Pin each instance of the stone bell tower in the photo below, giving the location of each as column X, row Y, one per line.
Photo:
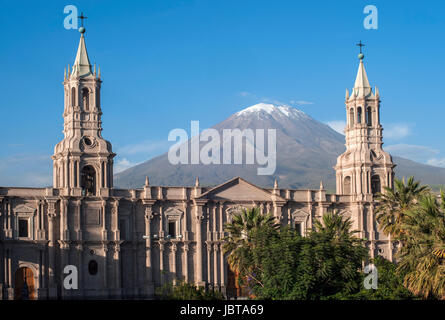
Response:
column 83, row 160
column 364, row 168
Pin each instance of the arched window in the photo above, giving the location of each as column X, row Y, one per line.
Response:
column 375, row 184
column 73, row 97
column 351, row 117
column 88, row 182
column 359, row 114
column 369, row 116
column 85, row 99
column 347, row 185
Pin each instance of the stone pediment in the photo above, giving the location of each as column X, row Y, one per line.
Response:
column 22, row 208
column 239, row 189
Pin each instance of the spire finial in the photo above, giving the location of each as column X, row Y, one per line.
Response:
column 82, row 17
column 197, row 182
column 275, row 184
column 360, row 55
column 321, row 185
column 147, row 182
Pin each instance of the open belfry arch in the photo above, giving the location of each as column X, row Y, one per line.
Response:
column 126, row 242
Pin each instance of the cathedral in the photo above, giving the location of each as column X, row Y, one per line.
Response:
column 125, row 243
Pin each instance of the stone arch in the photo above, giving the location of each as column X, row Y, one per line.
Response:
column 86, row 99
column 369, row 116
column 351, row 117
column 376, row 185
column 89, row 180
column 25, row 282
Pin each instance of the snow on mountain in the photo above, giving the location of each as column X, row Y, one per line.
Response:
column 306, row 149
column 272, row 109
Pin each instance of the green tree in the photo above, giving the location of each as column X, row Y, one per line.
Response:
column 324, row 265
column 392, row 205
column 183, row 290
column 424, row 232
column 238, row 242
column 389, row 284
column 338, row 255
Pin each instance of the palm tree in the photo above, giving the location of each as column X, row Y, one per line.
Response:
column 239, row 234
column 394, row 203
column 334, row 225
column 424, row 233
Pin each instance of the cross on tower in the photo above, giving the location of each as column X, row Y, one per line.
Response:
column 360, row 44
column 81, row 17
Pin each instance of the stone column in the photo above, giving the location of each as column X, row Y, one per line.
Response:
column 117, row 270
column 8, row 232
column 371, row 230
column 135, row 245
column 215, row 265
column 214, row 233
column 66, row 172
column 115, row 220
column 223, row 270
column 104, row 221
column 10, row 289
column 51, row 247
column 79, row 219
column 105, row 269
column 198, row 240
column 161, row 260
column 79, row 249
column 105, row 175
column 5, row 267
column 209, row 258
column 185, row 224
column 64, row 220
column 64, row 261
column 148, row 246
column 221, row 252
column 186, row 262
column 174, row 249
column 77, row 174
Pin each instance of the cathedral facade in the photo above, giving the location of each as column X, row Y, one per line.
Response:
column 126, row 242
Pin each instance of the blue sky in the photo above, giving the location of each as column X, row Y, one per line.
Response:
column 165, row 63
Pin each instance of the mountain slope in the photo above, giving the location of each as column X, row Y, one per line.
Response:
column 307, row 150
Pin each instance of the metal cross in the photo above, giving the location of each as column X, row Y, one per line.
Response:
column 360, row 44
column 81, row 17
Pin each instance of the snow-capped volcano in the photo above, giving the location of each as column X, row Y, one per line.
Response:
column 271, row 109
column 306, row 153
